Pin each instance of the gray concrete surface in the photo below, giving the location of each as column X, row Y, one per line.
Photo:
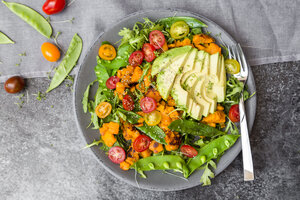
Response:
column 41, row 156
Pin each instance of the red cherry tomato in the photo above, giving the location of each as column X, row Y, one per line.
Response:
column 136, row 58
column 188, row 151
column 234, row 113
column 51, row 7
column 148, row 50
column 148, row 104
column 14, row 84
column 116, row 155
column 128, row 102
column 157, row 39
column 141, row 143
column 112, row 82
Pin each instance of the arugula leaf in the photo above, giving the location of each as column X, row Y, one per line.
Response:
column 94, row 143
column 127, row 34
column 207, row 174
column 86, row 97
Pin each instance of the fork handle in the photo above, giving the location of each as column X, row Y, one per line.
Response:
column 246, row 149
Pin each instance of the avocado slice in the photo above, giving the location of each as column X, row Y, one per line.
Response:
column 197, row 93
column 166, row 77
column 219, row 87
column 168, row 57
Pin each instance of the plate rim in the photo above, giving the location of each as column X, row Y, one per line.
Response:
column 76, row 101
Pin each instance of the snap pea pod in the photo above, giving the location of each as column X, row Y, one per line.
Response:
column 165, row 162
column 153, row 132
column 32, row 17
column 68, row 62
column 210, row 151
column 191, row 21
column 194, row 128
column 129, row 116
column 4, row 39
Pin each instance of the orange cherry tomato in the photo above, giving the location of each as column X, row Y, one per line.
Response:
column 50, row 52
column 107, row 52
column 103, row 109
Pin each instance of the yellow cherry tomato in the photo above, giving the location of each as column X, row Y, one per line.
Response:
column 179, row 30
column 50, row 52
column 232, row 66
column 107, row 52
column 103, row 109
column 153, row 118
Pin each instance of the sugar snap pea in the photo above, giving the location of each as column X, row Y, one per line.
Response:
column 165, row 162
column 32, row 17
column 210, row 151
column 67, row 63
column 154, row 132
column 194, row 128
column 4, row 39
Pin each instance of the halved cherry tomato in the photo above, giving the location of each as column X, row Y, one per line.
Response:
column 50, row 52
column 188, row 151
column 141, row 143
column 103, row 109
column 53, row 6
column 136, row 58
column 14, row 84
column 148, row 104
column 148, row 50
column 128, row 103
column 232, row 66
column 179, row 30
column 234, row 113
column 153, row 118
column 107, row 52
column 112, row 82
column 157, row 39
column 116, row 155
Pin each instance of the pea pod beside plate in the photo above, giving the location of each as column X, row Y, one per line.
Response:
column 32, row 17
column 4, row 39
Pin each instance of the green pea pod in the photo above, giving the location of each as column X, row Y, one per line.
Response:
column 165, row 162
column 153, row 132
column 32, row 17
column 192, row 22
column 210, row 151
column 4, row 39
column 68, row 62
column 194, row 128
column 129, row 116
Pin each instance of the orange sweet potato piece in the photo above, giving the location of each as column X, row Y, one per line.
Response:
column 109, row 139
column 202, row 39
column 216, row 117
column 120, row 88
column 171, row 101
column 147, row 78
column 212, row 48
column 125, row 165
column 146, row 153
column 137, row 73
column 153, row 94
column 156, row 147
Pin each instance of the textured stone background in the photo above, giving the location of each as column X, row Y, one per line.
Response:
column 41, row 156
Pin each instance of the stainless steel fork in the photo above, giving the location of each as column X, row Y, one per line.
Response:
column 236, row 53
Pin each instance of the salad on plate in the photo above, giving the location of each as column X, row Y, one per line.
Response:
column 166, row 98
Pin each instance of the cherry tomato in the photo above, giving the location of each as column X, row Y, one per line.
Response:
column 50, row 52
column 153, row 118
column 148, row 104
column 107, row 52
column 179, row 30
column 188, row 151
column 51, row 7
column 157, row 39
column 14, row 84
column 232, row 66
column 128, row 102
column 234, row 113
column 141, row 143
column 112, row 82
column 116, row 155
column 103, row 109
column 148, row 50
column 136, row 58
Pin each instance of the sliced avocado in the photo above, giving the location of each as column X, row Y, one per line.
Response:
column 166, row 77
column 196, row 68
column 198, row 96
column 168, row 57
column 210, row 96
column 215, row 66
column 219, row 87
column 195, row 110
column 205, row 67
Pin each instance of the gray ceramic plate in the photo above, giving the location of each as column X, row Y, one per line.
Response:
column 157, row 180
